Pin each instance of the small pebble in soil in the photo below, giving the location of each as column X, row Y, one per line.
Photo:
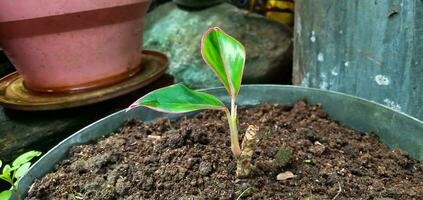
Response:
column 205, row 168
column 284, row 176
column 317, row 149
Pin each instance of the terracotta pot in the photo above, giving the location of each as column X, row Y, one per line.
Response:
column 65, row 46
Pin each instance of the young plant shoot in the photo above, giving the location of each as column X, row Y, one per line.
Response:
column 226, row 57
column 12, row 173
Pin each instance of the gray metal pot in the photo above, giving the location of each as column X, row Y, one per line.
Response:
column 394, row 128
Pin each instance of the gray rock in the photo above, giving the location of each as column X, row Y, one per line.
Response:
column 177, row 32
column 205, row 168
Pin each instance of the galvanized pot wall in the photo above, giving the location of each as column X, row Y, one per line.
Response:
column 394, row 128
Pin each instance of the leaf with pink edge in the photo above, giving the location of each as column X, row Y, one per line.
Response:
column 178, row 99
column 226, row 56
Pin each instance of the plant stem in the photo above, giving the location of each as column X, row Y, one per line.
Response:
column 233, row 108
column 18, row 195
column 15, row 186
column 232, row 121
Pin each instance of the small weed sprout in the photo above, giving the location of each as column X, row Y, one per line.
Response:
column 226, row 57
column 12, row 173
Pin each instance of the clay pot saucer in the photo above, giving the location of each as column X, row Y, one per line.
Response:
column 14, row 95
column 62, row 45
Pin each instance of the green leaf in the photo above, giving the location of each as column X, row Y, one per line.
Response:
column 24, row 158
column 178, row 99
column 5, row 177
column 226, row 56
column 22, row 170
column 6, row 169
column 6, row 174
column 5, row 195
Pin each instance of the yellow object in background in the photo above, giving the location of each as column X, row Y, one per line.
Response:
column 281, row 11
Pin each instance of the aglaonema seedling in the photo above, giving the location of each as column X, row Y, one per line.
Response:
column 226, row 57
column 12, row 173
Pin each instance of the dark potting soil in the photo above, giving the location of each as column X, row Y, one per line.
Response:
column 191, row 159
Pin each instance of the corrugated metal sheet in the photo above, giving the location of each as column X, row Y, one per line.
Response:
column 372, row 49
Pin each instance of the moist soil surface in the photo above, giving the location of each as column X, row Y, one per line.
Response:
column 191, row 159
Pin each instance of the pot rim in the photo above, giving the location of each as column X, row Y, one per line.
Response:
column 329, row 92
column 30, row 9
column 409, row 125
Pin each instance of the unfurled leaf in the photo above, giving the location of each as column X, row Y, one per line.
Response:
column 5, row 195
column 178, row 99
column 22, row 170
column 226, row 56
column 24, row 158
